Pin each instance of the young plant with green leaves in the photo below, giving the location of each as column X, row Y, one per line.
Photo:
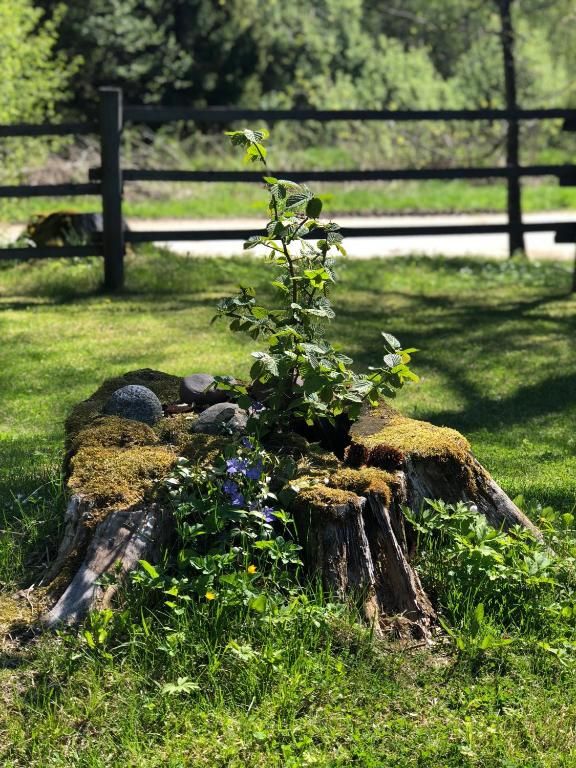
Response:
column 236, row 545
column 495, row 586
column 302, row 375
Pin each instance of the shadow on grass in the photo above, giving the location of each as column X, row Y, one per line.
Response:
column 455, row 333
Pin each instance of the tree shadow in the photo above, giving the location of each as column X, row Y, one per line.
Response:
column 553, row 395
column 453, row 332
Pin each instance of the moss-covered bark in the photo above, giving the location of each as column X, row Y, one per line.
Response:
column 348, row 513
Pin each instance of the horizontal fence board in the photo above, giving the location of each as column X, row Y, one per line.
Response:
column 223, row 114
column 567, row 172
column 48, row 129
column 49, row 190
column 51, row 252
column 566, row 235
column 448, row 229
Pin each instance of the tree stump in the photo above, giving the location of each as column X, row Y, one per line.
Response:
column 351, row 523
column 348, row 513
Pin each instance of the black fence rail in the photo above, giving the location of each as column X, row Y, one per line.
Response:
column 108, row 180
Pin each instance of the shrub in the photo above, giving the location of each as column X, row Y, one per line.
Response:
column 34, row 80
column 301, row 375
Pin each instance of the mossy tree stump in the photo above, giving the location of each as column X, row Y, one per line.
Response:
column 348, row 512
column 352, row 525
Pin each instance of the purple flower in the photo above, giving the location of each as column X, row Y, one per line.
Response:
column 233, row 492
column 233, row 466
column 268, row 513
column 230, row 487
column 254, row 472
column 245, row 442
column 256, row 407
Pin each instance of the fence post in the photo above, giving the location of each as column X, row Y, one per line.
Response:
column 515, row 230
column 111, row 122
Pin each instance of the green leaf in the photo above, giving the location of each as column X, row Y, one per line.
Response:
column 314, row 208
column 391, row 341
column 149, row 568
column 182, row 685
column 334, row 238
column 253, row 241
column 258, row 604
column 392, row 360
column 298, row 198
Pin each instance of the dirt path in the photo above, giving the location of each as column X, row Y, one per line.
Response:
column 540, row 245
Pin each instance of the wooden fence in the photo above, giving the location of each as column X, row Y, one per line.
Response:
column 108, row 180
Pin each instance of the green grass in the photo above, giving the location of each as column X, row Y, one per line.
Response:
column 203, row 200
column 497, row 362
column 344, row 704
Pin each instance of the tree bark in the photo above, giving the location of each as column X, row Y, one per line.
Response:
column 89, row 556
column 362, row 547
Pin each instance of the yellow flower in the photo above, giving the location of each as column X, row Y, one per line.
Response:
column 210, row 595
column 251, row 569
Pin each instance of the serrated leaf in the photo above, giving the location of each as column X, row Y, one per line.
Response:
column 391, row 341
column 392, row 360
column 298, row 198
column 266, row 362
column 253, row 241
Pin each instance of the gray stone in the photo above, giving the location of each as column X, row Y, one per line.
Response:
column 221, row 419
column 135, row 402
column 198, row 389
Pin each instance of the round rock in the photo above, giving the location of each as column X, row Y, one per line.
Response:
column 135, row 402
column 221, row 419
column 198, row 389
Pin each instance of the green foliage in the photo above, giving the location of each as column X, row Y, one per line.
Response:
column 496, row 587
column 234, row 548
column 34, row 80
column 301, row 375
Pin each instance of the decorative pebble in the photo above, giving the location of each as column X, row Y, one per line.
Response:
column 198, row 388
column 135, row 402
column 221, row 419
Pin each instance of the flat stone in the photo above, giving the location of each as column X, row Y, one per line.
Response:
column 135, row 402
column 221, row 419
column 198, row 388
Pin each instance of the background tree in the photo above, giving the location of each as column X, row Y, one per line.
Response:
column 34, row 79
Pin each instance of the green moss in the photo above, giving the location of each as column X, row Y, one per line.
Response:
column 204, row 449
column 114, row 431
column 383, row 426
column 15, row 612
column 365, row 480
column 176, row 429
column 165, row 386
column 118, row 476
column 322, row 498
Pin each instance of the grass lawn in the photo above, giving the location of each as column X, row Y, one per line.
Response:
column 204, row 200
column 497, row 361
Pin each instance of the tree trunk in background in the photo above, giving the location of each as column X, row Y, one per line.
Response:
column 516, row 233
